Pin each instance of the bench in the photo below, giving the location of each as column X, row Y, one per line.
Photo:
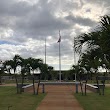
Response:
column 92, row 87
column 27, row 87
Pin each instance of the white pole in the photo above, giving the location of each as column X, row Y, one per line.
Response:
column 45, row 50
column 59, row 45
column 59, row 57
column 74, row 57
column 45, row 54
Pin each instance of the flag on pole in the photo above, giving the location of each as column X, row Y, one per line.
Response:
column 59, row 40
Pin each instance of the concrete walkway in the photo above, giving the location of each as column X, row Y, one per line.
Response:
column 59, row 98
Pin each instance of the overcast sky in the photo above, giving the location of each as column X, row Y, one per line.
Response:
column 24, row 25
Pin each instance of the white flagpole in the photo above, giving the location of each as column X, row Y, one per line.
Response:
column 59, row 57
column 45, row 50
column 59, row 45
column 74, row 57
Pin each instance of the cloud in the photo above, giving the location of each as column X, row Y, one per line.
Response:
column 80, row 20
column 24, row 25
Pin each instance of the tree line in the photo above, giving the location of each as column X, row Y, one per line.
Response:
column 31, row 68
column 20, row 68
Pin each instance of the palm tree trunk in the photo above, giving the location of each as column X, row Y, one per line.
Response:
column 38, row 85
column 86, row 84
column 103, row 82
column 22, row 83
column 16, row 83
column 0, row 79
column 103, row 88
column 33, row 85
column 98, row 84
column 91, row 76
column 1, row 71
column 81, row 85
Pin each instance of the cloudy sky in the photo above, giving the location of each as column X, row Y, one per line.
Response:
column 24, row 25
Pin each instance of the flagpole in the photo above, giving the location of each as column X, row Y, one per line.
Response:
column 59, row 57
column 74, row 57
column 45, row 50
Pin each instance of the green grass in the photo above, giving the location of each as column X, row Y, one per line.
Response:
column 94, row 101
column 25, row 101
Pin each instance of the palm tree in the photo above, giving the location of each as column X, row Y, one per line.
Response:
column 31, row 64
column 97, row 44
column 39, row 64
column 7, row 67
column 105, row 37
column 24, row 70
column 98, row 39
column 79, row 71
column 12, row 65
column 34, row 64
column 91, row 61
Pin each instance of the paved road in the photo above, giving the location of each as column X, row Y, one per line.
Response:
column 59, row 98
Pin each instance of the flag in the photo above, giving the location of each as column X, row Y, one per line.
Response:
column 59, row 40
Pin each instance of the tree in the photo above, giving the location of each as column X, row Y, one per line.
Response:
column 12, row 65
column 96, row 40
column 44, row 71
column 97, row 45
column 1, row 71
column 91, row 61
column 79, row 71
column 24, row 70
column 50, row 76
column 34, row 64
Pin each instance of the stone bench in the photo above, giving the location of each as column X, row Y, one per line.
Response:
column 27, row 87
column 92, row 87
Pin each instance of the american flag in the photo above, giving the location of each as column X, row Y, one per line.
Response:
column 59, row 40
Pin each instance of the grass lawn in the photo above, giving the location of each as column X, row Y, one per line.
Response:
column 25, row 101
column 94, row 101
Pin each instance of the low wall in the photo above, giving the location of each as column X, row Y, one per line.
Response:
column 59, row 83
column 42, row 85
column 27, row 88
column 92, row 87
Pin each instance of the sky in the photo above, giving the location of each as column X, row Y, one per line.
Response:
column 25, row 24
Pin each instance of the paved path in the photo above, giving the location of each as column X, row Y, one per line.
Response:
column 59, row 98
